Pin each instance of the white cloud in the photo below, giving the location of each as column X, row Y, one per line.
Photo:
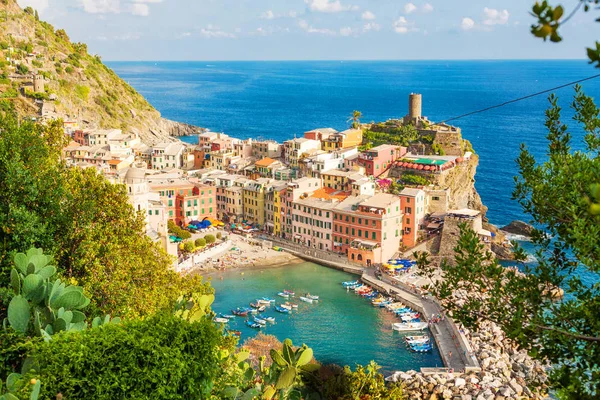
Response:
column 495, row 17
column 39, row 5
column 371, row 26
column 310, row 29
column 409, row 8
column 328, row 6
column 267, row 15
column 402, row 26
column 368, row 16
column 140, row 9
column 211, row 32
column 467, row 24
column 346, row 31
column 427, row 8
column 135, row 7
column 101, row 6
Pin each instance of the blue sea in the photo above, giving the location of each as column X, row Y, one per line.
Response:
column 277, row 100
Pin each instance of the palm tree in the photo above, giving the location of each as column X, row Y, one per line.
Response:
column 355, row 118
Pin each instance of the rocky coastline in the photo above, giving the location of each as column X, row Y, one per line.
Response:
column 507, row 372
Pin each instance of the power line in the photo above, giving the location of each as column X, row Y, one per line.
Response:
column 520, row 98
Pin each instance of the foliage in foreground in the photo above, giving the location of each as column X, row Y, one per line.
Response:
column 84, row 222
column 559, row 195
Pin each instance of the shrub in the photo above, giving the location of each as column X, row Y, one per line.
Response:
column 209, row 239
column 200, row 242
column 188, row 247
column 219, row 235
column 413, row 179
column 82, row 91
column 37, row 64
column 161, row 357
column 69, row 69
column 22, row 69
column 9, row 93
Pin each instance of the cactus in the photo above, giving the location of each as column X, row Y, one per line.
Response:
column 15, row 383
column 195, row 307
column 54, row 305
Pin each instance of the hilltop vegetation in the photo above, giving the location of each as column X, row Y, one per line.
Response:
column 78, row 86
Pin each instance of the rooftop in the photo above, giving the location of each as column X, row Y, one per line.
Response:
column 380, row 200
column 265, row 162
column 411, row 192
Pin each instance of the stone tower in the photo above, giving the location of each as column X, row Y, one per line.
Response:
column 38, row 83
column 414, row 106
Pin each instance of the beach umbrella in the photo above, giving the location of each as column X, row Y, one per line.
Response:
column 420, row 166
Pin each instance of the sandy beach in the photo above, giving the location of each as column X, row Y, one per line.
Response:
column 244, row 255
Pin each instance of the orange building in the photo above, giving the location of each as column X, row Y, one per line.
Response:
column 185, row 201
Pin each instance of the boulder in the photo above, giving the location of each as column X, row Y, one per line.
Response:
column 518, row 228
column 459, row 382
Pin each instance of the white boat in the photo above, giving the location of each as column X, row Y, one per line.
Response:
column 264, row 302
column 284, row 295
column 221, row 320
column 306, row 299
column 409, row 326
column 286, row 306
column 310, row 296
column 418, row 341
column 270, row 319
column 260, row 321
column 417, row 338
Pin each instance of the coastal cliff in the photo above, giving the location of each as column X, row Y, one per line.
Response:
column 44, row 75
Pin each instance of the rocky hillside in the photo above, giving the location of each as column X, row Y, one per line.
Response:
column 77, row 86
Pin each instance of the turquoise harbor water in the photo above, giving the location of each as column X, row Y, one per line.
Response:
column 343, row 328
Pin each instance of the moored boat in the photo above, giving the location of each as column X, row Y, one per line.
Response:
column 260, row 321
column 270, row 300
column 289, row 292
column 312, row 297
column 262, row 308
column 349, row 283
column 306, row 299
column 286, row 306
column 424, row 339
column 221, row 315
column 239, row 312
column 221, row 320
column 409, row 326
column 253, row 324
column 254, row 305
column 284, row 295
column 263, row 302
column 270, row 319
column 281, row 310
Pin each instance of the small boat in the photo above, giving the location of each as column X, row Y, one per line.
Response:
column 239, row 312
column 254, row 305
column 312, row 297
column 306, row 299
column 270, row 300
column 349, row 283
column 270, row 319
column 221, row 320
column 289, row 292
column 284, row 295
column 409, row 317
column 262, row 308
column 281, row 310
column 253, row 324
column 287, row 303
column 260, row 321
column 421, row 348
column 221, row 315
column 286, row 306
column 264, row 302
column 235, row 333
column 417, row 340
column 409, row 326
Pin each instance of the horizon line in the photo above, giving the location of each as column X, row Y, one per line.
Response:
column 362, row 60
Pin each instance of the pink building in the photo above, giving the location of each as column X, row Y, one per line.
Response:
column 377, row 160
column 414, row 208
column 368, row 228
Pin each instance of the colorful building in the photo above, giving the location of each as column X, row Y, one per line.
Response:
column 343, row 140
column 413, row 203
column 254, row 201
column 378, row 159
column 368, row 228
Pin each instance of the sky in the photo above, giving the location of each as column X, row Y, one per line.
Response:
column 159, row 30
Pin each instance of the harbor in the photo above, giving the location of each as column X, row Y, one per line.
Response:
column 365, row 332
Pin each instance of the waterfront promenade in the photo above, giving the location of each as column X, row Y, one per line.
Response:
column 452, row 344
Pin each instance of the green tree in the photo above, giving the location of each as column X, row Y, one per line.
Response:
column 209, row 239
column 200, row 242
column 558, row 194
column 355, row 119
column 188, row 247
column 551, row 18
column 85, row 222
column 22, row 69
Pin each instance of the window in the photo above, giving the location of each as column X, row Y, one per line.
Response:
column 170, row 213
column 435, row 198
column 384, row 236
column 407, row 210
column 359, row 233
column 203, row 211
column 195, row 212
column 170, row 203
column 327, row 236
column 346, row 230
column 360, row 221
column 353, row 232
column 210, row 210
column 408, row 221
column 396, row 232
column 352, row 219
column 149, row 212
column 195, row 202
column 408, row 200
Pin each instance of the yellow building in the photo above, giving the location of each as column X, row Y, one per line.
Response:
column 343, row 140
column 340, row 180
column 254, row 201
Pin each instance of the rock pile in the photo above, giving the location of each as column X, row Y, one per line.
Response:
column 506, row 373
